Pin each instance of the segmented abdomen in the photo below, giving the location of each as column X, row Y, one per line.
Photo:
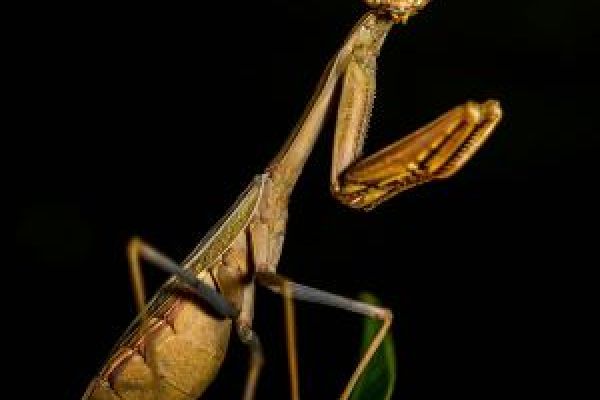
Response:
column 175, row 355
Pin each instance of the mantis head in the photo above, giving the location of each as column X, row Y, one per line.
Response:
column 399, row 10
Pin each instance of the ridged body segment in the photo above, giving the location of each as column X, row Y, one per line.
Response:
column 175, row 357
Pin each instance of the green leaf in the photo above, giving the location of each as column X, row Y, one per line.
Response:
column 379, row 378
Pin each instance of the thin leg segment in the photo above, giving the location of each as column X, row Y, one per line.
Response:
column 290, row 325
column 135, row 273
column 291, row 290
column 250, row 338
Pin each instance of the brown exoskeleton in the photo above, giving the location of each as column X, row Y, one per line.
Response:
column 176, row 347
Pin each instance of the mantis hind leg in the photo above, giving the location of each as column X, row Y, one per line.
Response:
column 251, row 339
column 138, row 286
column 291, row 290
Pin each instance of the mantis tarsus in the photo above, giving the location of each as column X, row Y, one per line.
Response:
column 176, row 346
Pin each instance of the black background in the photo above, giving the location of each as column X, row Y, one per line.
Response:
column 150, row 120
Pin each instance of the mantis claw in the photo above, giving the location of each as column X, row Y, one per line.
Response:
column 436, row 151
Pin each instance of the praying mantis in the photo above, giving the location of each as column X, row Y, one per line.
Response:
column 175, row 347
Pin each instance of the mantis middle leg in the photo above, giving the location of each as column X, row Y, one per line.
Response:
column 291, row 290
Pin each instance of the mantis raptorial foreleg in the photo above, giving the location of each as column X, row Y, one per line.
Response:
column 291, row 290
column 436, row 151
